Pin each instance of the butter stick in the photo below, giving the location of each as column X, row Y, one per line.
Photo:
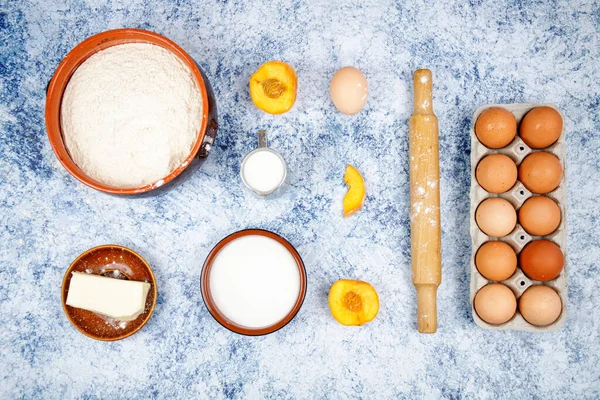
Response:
column 114, row 298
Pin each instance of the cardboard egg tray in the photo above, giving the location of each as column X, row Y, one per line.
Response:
column 518, row 238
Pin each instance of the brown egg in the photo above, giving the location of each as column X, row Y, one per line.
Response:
column 349, row 90
column 496, row 261
column 539, row 215
column 541, row 127
column 541, row 260
column 496, row 173
column 496, row 217
column 540, row 305
column 495, row 303
column 540, row 172
column 496, row 127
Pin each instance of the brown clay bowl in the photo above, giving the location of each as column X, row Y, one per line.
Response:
column 116, row 262
column 101, row 41
column 222, row 319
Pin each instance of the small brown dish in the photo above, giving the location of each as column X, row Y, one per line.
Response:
column 208, row 299
column 116, row 262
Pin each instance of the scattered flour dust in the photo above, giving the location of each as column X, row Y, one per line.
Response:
column 131, row 114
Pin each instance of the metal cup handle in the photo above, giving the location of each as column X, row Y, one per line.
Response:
column 262, row 138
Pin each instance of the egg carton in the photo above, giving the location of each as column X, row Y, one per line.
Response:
column 517, row 150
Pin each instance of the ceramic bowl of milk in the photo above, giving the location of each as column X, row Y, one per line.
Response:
column 253, row 282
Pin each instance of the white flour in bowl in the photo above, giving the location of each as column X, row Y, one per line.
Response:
column 131, row 114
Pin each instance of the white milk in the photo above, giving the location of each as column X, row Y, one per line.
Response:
column 264, row 171
column 254, row 281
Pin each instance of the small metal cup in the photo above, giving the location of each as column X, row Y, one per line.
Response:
column 262, row 146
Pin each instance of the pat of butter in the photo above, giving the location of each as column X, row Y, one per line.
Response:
column 115, row 298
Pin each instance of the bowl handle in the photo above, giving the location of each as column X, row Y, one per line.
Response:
column 213, row 126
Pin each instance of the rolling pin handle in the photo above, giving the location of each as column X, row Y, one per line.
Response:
column 423, row 92
column 426, row 308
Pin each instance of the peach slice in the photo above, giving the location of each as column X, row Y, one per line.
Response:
column 353, row 302
column 355, row 198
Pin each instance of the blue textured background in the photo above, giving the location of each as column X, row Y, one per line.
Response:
column 479, row 53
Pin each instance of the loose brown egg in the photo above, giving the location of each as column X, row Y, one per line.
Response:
column 541, row 127
column 541, row 260
column 496, row 173
column 496, row 127
column 539, row 215
column 496, row 217
column 495, row 303
column 496, row 260
column 540, row 305
column 540, row 172
column 349, row 90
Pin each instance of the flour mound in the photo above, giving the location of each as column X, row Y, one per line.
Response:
column 131, row 114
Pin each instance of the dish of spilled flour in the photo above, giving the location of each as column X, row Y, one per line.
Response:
column 131, row 114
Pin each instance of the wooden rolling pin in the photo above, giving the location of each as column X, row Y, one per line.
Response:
column 426, row 257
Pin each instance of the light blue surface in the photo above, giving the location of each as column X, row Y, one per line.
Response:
column 481, row 52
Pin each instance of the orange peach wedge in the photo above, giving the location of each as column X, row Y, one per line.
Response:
column 355, row 198
column 353, row 302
